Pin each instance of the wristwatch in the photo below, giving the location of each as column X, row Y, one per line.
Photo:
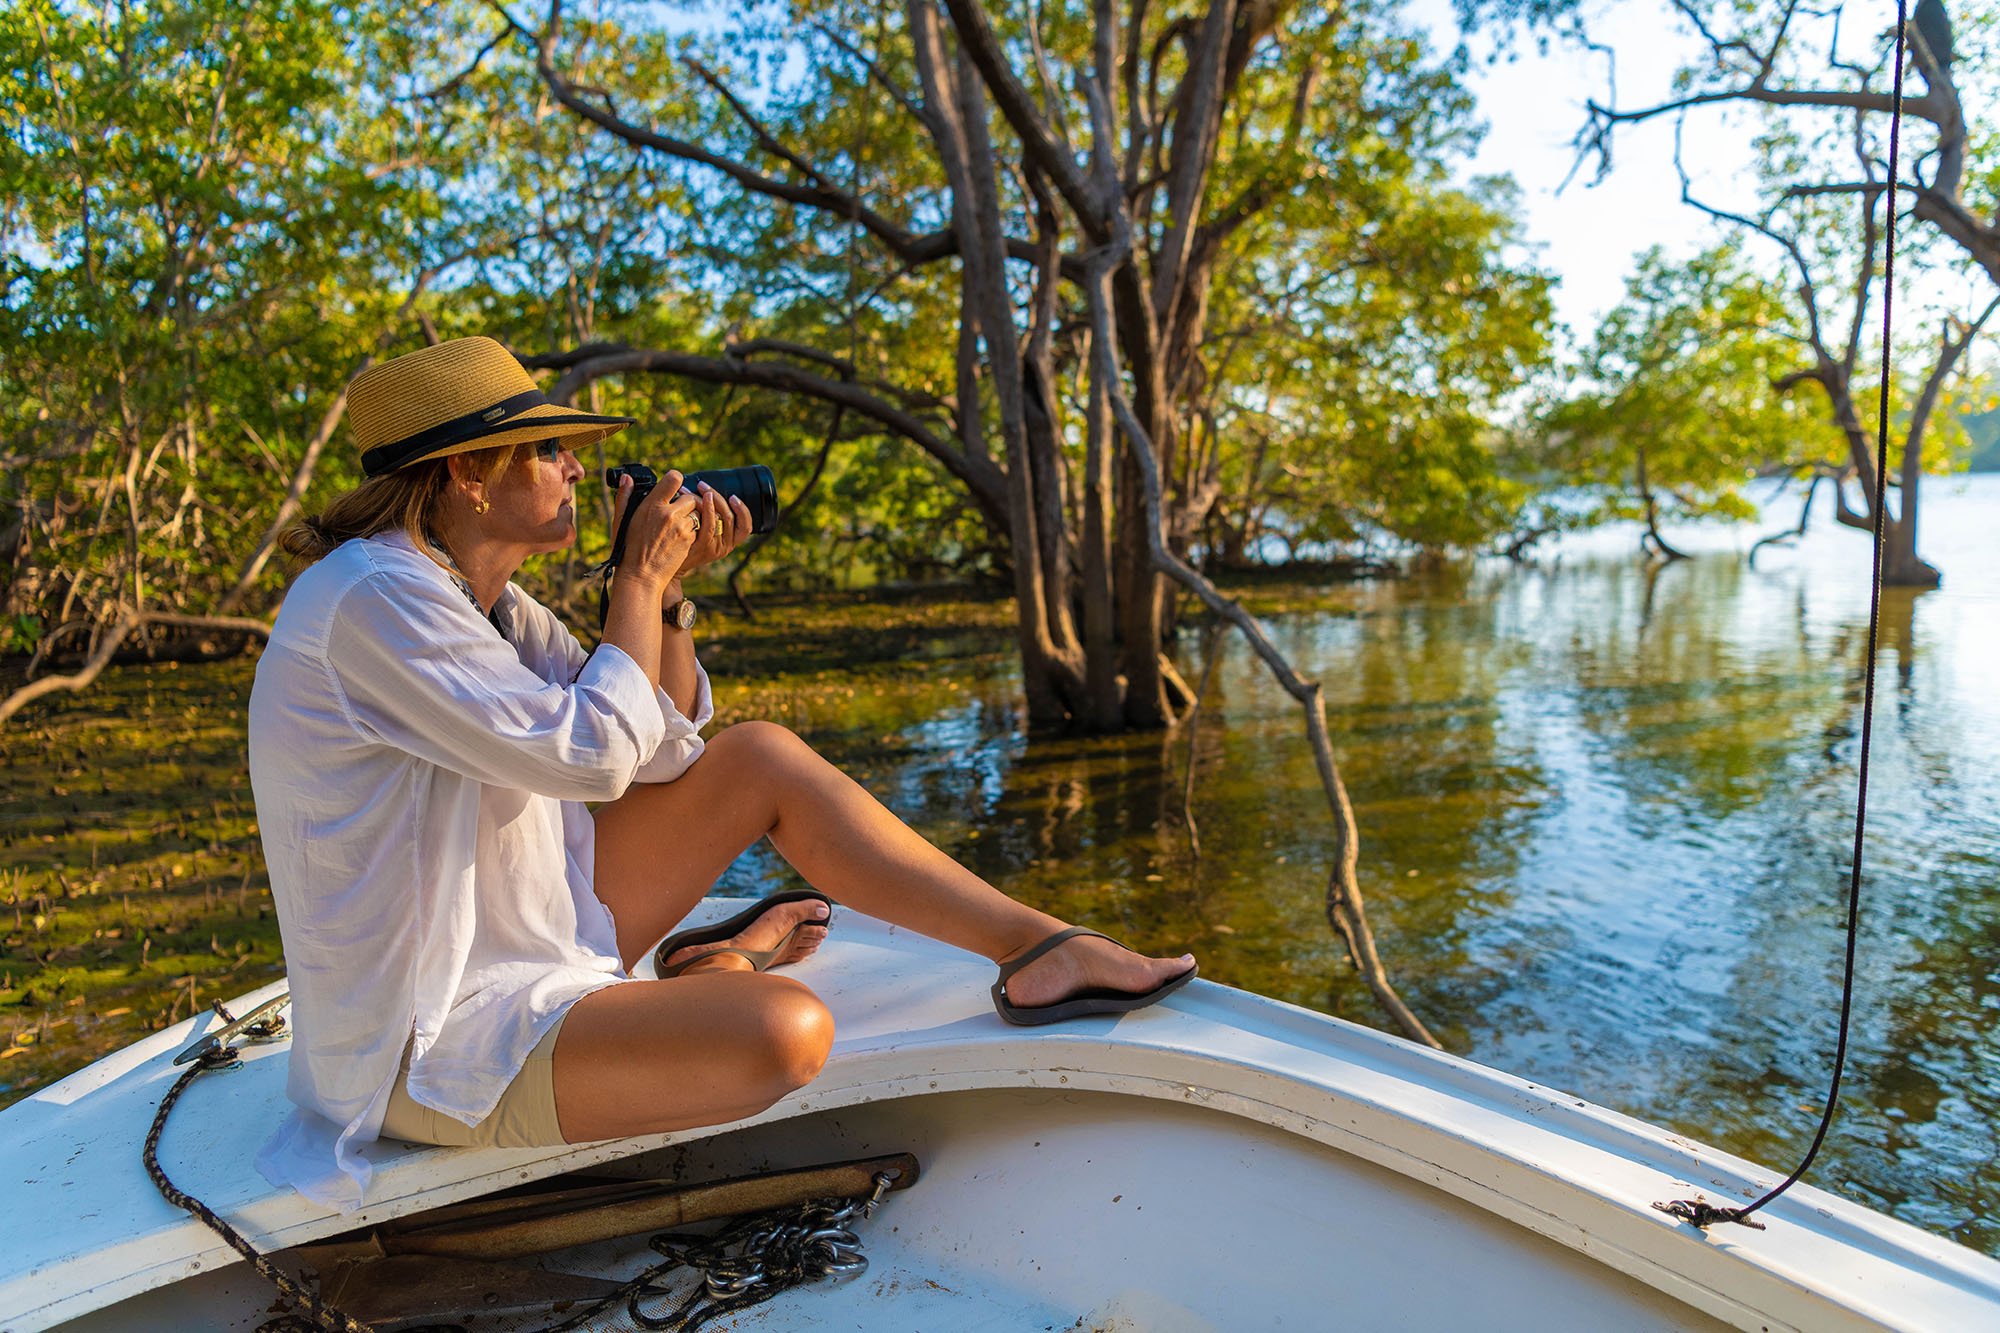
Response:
column 678, row 615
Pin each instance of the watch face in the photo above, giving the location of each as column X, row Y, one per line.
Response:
column 684, row 614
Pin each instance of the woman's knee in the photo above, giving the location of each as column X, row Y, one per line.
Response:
column 771, row 746
column 794, row 1035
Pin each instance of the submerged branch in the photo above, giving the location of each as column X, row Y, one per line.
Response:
column 1343, row 891
column 1211, row 641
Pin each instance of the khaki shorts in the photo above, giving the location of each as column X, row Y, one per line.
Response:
column 524, row 1118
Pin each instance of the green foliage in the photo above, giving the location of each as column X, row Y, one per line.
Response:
column 1364, row 329
column 1371, row 364
column 213, row 210
column 1682, row 382
column 194, row 239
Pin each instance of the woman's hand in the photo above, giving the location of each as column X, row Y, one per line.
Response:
column 663, row 533
column 725, row 523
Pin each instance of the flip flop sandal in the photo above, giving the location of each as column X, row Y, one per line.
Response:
column 759, row 959
column 1083, row 1003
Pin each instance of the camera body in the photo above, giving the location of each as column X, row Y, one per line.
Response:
column 754, row 485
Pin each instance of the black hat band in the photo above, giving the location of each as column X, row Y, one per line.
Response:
column 489, row 420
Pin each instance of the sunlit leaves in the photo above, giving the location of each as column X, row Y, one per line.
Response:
column 207, row 222
column 1683, row 377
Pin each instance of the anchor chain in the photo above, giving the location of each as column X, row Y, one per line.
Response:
column 206, row 1056
column 746, row 1263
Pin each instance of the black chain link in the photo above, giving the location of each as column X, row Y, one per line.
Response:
column 746, row 1263
column 314, row 1312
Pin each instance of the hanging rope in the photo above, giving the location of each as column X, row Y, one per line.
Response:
column 744, row 1264
column 1698, row 1212
column 312, row 1311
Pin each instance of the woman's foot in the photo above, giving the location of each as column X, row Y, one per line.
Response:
column 804, row 922
column 1088, row 963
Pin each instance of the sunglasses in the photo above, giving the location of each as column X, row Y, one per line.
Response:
column 550, row 450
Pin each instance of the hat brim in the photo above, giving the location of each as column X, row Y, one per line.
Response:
column 545, row 421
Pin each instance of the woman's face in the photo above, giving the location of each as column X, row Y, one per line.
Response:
column 534, row 500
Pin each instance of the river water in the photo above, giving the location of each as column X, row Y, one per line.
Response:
column 1606, row 816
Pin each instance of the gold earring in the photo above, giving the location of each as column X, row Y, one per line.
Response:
column 480, row 507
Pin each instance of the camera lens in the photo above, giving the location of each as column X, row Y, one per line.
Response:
column 753, row 485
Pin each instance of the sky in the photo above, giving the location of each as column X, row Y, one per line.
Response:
column 1591, row 234
column 1533, row 104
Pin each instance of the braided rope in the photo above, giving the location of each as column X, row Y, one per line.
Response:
column 766, row 1253
column 1697, row 1212
column 315, row 1312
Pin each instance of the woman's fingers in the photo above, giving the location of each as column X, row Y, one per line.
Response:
column 663, row 531
column 718, row 536
column 619, row 502
column 731, row 518
column 676, row 532
column 741, row 531
column 718, row 523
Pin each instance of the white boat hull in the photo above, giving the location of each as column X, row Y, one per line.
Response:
column 1222, row 1161
column 1189, row 1220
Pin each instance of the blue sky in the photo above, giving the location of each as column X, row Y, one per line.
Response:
column 1533, row 104
column 1591, row 234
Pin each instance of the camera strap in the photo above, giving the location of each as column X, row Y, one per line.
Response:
column 603, row 572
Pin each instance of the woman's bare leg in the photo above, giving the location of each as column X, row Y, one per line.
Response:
column 707, row 1047
column 661, row 846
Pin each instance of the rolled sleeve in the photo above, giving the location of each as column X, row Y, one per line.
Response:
column 424, row 672
column 549, row 648
column 682, row 744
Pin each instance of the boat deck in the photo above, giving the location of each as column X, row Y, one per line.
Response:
column 1445, row 1161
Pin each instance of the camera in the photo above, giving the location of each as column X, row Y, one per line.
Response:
column 753, row 485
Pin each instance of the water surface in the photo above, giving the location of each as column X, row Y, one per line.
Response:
column 1606, row 810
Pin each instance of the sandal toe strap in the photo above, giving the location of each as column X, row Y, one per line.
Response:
column 1061, row 937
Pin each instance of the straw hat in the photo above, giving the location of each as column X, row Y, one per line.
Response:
column 469, row 393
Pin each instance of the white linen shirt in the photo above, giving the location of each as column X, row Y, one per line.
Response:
column 420, row 782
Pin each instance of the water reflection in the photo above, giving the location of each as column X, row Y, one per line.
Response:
column 1606, row 818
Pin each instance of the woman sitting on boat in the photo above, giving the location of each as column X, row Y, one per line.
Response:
column 459, row 927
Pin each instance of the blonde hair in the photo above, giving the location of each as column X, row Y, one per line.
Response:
column 411, row 498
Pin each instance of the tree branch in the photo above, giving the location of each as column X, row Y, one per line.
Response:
column 452, row 84
column 1601, row 120
column 302, row 476
column 911, row 247
column 976, row 35
column 80, row 680
column 985, row 480
column 1344, row 904
column 875, row 72
column 766, row 140
column 129, row 623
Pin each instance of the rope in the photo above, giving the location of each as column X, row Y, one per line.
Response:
column 1695, row 1211
column 745, row 1264
column 315, row 1312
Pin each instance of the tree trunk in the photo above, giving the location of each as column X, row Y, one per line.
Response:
column 1103, row 695
column 1344, row 904
column 1090, row 602
column 1660, row 545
